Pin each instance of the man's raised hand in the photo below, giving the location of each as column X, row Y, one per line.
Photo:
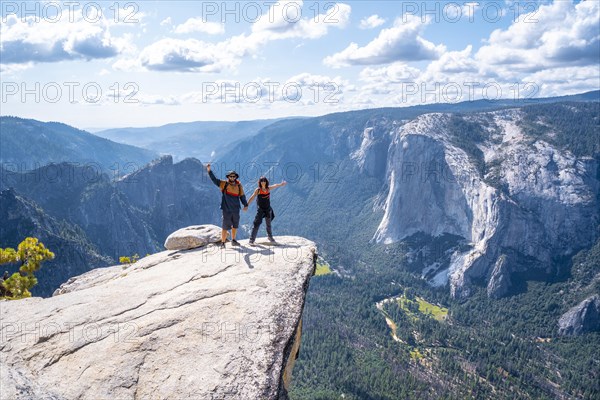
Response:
column 208, row 167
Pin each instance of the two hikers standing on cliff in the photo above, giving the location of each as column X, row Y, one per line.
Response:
column 232, row 195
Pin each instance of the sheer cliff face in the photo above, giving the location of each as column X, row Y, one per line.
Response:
column 518, row 201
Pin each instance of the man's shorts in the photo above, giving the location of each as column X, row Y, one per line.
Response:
column 230, row 220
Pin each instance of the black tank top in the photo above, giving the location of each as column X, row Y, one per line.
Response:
column 264, row 199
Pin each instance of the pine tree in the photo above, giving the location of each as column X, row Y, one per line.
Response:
column 30, row 254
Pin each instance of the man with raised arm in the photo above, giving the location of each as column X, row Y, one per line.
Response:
column 232, row 195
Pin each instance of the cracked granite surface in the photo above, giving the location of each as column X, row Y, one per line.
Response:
column 199, row 324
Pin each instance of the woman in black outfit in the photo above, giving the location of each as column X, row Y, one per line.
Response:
column 263, row 209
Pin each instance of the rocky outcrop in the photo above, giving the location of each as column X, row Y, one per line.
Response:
column 192, row 237
column 375, row 142
column 584, row 317
column 518, row 201
column 500, row 281
column 199, row 324
column 134, row 214
column 175, row 195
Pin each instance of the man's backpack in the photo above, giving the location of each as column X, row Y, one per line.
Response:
column 227, row 184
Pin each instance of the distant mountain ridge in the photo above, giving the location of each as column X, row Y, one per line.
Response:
column 463, row 106
column 27, row 144
column 210, row 140
column 203, row 140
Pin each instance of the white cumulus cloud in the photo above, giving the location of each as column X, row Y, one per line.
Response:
column 68, row 37
column 402, row 42
column 189, row 55
column 559, row 34
column 199, row 25
column 371, row 22
column 284, row 20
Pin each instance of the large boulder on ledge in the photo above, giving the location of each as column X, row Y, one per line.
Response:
column 192, row 237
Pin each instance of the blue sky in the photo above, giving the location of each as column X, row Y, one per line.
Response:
column 146, row 63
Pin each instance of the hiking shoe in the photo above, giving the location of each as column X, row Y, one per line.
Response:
column 251, row 243
column 271, row 239
column 235, row 242
column 221, row 244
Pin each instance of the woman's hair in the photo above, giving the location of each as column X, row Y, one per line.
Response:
column 263, row 179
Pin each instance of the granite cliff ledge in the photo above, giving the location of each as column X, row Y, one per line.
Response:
column 205, row 323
